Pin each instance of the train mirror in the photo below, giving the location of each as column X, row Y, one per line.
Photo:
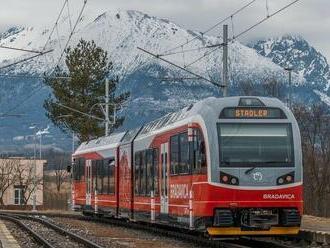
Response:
column 111, row 162
column 68, row 168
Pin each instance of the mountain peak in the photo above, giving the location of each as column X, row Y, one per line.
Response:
column 295, row 52
column 11, row 31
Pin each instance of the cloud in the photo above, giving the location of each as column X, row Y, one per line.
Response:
column 310, row 19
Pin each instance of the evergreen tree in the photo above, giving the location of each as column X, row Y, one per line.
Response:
column 83, row 90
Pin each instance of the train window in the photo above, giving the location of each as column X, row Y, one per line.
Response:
column 174, row 146
column 180, row 154
column 255, row 144
column 146, row 172
column 99, row 176
column 79, row 169
column 103, row 172
column 184, row 165
column 110, row 164
column 143, row 174
column 198, row 154
column 149, row 171
column 137, row 176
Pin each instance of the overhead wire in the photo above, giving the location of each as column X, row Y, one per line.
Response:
column 203, row 56
column 70, row 36
column 55, row 25
column 25, row 59
column 32, row 57
column 180, row 67
column 212, row 27
column 69, row 14
column 219, row 45
column 264, row 19
column 20, row 49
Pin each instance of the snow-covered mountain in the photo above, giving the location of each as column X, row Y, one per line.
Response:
column 295, row 52
column 120, row 33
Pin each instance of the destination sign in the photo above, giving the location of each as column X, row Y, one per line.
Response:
column 252, row 113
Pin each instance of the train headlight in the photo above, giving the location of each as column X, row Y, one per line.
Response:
column 233, row 181
column 225, row 179
column 228, row 179
column 285, row 179
column 288, row 178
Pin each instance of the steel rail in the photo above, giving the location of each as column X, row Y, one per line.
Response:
column 54, row 227
column 34, row 235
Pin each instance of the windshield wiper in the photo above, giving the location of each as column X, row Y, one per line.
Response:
column 250, row 170
column 225, row 163
column 274, row 162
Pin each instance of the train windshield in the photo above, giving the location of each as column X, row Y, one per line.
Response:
column 251, row 144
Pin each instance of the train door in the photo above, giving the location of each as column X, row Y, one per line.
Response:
column 89, row 183
column 125, row 177
column 164, row 179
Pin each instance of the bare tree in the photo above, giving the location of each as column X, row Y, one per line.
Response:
column 24, row 177
column 7, row 175
column 248, row 88
column 272, row 87
column 314, row 125
column 61, row 174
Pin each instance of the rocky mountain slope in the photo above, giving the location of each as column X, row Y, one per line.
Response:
column 295, row 52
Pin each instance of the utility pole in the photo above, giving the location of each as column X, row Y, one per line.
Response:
column 34, row 175
column 40, row 146
column 289, row 69
column 225, row 60
column 106, row 107
column 73, row 142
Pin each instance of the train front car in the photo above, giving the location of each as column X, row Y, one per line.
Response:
column 255, row 168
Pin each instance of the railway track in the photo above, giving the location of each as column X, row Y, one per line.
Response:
column 48, row 234
column 177, row 233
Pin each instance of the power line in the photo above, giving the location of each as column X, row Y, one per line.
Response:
column 70, row 36
column 79, row 112
column 29, row 76
column 212, row 27
column 203, row 56
column 56, row 23
column 69, row 15
column 264, row 19
column 26, row 59
column 20, row 49
column 184, row 51
column 219, row 45
column 180, row 67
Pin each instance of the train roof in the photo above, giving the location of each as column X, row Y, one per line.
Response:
column 204, row 107
column 102, row 143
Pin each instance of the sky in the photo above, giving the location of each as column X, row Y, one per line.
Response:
column 308, row 18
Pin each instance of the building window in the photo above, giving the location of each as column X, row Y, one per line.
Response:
column 179, row 148
column 18, row 195
column 146, row 172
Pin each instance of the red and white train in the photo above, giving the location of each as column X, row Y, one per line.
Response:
column 224, row 166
